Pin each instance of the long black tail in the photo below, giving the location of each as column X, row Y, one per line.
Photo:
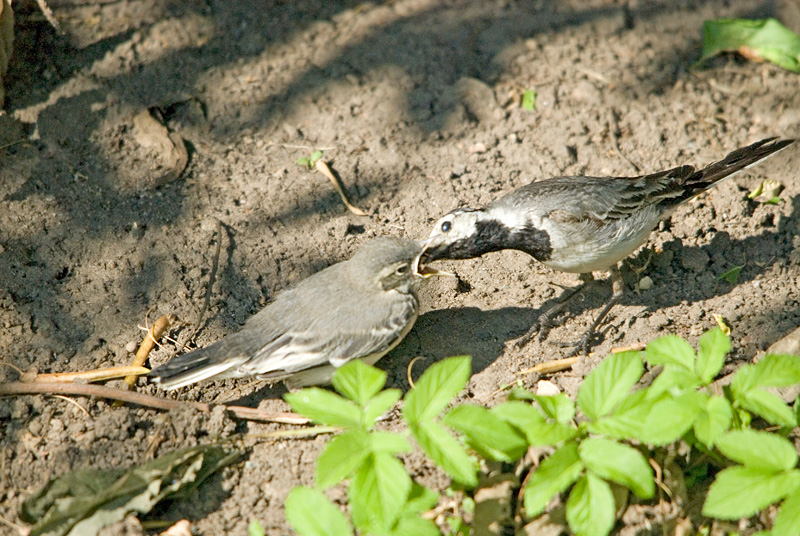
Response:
column 696, row 182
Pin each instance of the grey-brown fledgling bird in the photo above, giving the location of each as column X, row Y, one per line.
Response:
column 356, row 309
column 582, row 224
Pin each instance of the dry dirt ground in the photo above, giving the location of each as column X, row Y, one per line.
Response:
column 415, row 103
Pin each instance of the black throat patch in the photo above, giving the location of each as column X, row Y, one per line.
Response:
column 492, row 235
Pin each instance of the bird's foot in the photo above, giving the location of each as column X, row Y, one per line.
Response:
column 539, row 329
column 584, row 344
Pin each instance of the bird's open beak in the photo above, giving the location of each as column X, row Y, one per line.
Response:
column 424, row 270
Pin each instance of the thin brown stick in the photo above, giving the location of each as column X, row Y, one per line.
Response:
column 550, row 367
column 212, row 276
column 96, row 375
column 141, row 399
column 147, row 345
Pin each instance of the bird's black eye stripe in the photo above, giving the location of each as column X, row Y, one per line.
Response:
column 446, row 226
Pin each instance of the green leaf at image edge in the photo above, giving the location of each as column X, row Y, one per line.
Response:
column 590, row 507
column 739, row 492
column 758, row 449
column 764, row 39
column 310, row 513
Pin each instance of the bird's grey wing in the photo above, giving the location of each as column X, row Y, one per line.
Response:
column 335, row 343
column 577, row 199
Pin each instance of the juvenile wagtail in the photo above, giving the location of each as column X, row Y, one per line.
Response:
column 582, row 224
column 357, row 309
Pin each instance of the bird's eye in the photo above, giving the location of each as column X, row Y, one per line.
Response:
column 446, row 226
column 402, row 270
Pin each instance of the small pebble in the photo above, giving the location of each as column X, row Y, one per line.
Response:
column 131, row 347
column 645, row 283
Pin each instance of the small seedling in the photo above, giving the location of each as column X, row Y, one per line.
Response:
column 768, row 192
column 310, row 161
column 529, row 100
column 732, row 275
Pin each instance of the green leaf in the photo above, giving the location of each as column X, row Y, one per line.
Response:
column 758, row 449
column 770, row 407
column 378, row 492
column 446, row 452
column 420, row 499
column 316, row 155
column 765, row 39
column 554, row 475
column 608, row 384
column 740, row 492
column 675, row 380
column 532, row 424
column 713, row 346
column 774, row 370
column 619, row 463
column 670, row 419
column 627, row 419
column 379, row 404
column 388, row 442
column 434, row 390
column 529, row 100
column 85, row 501
column 310, row 513
column 492, row 437
column 670, row 350
column 732, row 275
column 787, row 522
column 358, row 381
column 255, row 528
column 558, row 407
column 342, row 456
column 415, row 526
column 324, row 407
column 590, row 507
column 712, row 420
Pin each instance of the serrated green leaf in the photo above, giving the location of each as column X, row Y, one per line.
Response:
column 670, row 350
column 379, row 404
column 342, row 456
column 714, row 345
column 590, row 507
column 619, row 463
column 787, row 522
column 388, row 442
column 324, row 407
column 415, row 526
column 420, row 499
column 627, row 419
column 608, row 384
column 532, row 424
column 518, row 393
column 758, row 449
column 378, row 492
column 740, row 491
column 492, row 437
column 558, row 407
column 768, row 406
column 310, row 513
column 358, row 381
column 774, row 370
column 670, row 419
column 436, row 388
column 255, row 528
column 554, row 475
column 712, row 420
column 765, row 39
column 446, row 452
column 675, row 380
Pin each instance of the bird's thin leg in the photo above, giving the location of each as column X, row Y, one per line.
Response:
column 545, row 321
column 583, row 344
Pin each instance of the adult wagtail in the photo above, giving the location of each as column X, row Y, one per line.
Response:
column 582, row 224
column 356, row 309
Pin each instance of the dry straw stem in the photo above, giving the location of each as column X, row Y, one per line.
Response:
column 323, row 168
column 147, row 345
column 550, row 367
column 240, row 412
column 96, row 375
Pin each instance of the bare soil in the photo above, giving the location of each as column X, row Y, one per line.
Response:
column 416, row 105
